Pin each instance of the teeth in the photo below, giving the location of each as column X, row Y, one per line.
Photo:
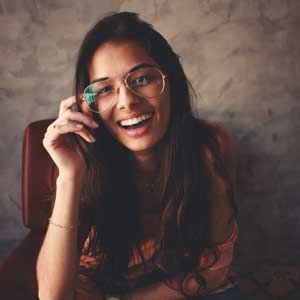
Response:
column 135, row 121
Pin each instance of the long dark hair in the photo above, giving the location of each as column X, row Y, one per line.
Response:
column 110, row 193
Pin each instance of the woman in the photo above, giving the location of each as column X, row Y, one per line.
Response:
column 149, row 184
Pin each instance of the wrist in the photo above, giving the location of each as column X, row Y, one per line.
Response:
column 70, row 179
column 69, row 188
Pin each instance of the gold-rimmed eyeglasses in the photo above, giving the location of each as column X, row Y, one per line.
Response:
column 145, row 82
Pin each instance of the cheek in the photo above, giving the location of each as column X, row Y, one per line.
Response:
column 85, row 109
column 106, row 119
column 102, row 120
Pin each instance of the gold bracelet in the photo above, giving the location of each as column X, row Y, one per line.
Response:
column 66, row 227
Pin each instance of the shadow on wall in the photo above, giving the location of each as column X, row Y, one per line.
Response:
column 268, row 191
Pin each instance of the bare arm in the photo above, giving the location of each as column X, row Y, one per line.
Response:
column 58, row 259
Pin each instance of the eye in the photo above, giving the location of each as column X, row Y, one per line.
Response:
column 142, row 80
column 104, row 90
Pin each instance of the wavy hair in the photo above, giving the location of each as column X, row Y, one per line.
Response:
column 184, row 194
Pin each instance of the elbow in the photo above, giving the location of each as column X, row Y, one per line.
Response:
column 53, row 290
column 221, row 278
column 48, row 294
column 215, row 279
column 51, row 287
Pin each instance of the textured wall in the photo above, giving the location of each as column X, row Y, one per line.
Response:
column 242, row 57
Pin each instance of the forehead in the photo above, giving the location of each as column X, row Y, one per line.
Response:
column 116, row 58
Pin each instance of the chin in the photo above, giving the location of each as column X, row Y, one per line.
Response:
column 145, row 143
column 139, row 146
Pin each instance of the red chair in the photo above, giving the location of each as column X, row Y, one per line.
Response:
column 17, row 272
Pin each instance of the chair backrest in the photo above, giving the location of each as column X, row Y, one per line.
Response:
column 39, row 173
column 38, row 177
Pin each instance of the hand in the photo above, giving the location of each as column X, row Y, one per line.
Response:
column 61, row 140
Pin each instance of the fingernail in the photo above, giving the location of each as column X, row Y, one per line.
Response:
column 79, row 125
column 92, row 139
column 95, row 124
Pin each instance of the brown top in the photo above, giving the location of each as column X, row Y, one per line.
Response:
column 217, row 257
column 220, row 254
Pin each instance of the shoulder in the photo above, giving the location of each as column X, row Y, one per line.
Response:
column 227, row 150
column 226, row 142
column 224, row 138
column 221, row 211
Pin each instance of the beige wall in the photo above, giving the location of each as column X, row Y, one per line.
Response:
column 242, row 57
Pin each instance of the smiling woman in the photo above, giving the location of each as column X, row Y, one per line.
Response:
column 145, row 192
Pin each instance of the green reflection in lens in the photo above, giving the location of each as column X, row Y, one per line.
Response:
column 89, row 96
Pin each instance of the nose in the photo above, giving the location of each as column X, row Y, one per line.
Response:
column 126, row 98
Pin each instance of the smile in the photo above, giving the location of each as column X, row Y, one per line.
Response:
column 135, row 121
column 138, row 126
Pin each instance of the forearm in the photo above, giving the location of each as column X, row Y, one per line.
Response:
column 58, row 258
column 180, row 288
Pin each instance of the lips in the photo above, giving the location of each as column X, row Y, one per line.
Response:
column 139, row 129
column 131, row 122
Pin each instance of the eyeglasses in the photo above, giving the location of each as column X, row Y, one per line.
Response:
column 145, row 82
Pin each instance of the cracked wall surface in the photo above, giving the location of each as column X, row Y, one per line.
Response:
column 242, row 58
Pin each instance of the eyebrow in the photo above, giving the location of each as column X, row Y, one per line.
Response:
column 131, row 70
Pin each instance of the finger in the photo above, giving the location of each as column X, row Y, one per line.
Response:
column 78, row 117
column 66, row 104
column 75, row 106
column 56, row 130
column 86, row 135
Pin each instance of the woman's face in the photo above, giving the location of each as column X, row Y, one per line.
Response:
column 115, row 60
